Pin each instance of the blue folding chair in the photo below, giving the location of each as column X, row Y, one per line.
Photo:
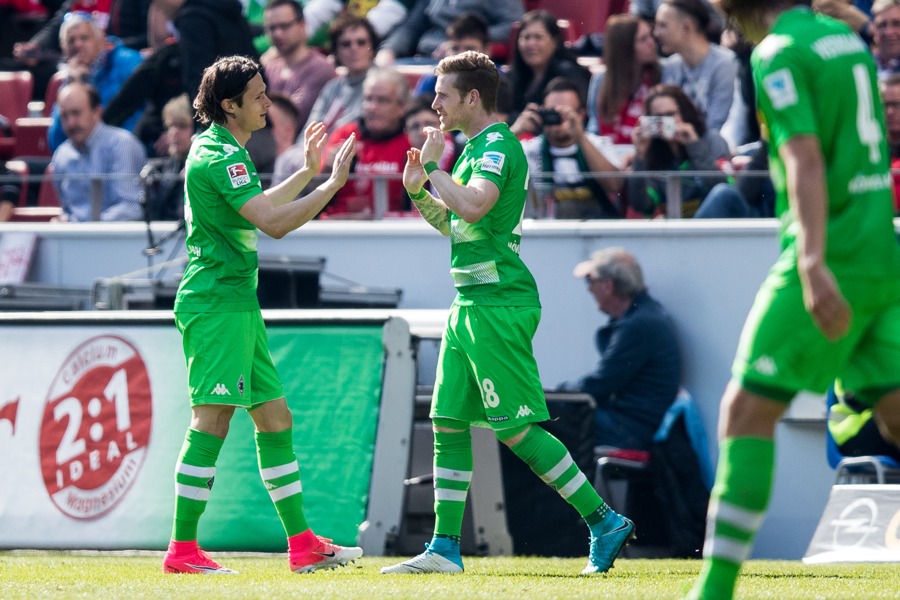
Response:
column 875, row 469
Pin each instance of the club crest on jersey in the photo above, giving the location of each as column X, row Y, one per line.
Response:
column 780, row 88
column 492, row 162
column 238, row 175
column 493, row 137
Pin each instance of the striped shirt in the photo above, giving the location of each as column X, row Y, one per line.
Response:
column 100, row 181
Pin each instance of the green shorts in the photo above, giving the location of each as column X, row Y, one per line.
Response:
column 486, row 373
column 782, row 352
column 228, row 359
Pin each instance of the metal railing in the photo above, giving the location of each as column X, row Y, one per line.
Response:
column 673, row 180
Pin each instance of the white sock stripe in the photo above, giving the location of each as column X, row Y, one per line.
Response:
column 727, row 548
column 560, row 468
column 280, row 493
column 445, row 494
column 192, row 492
column 270, row 473
column 573, row 485
column 452, row 474
column 746, row 520
column 194, row 471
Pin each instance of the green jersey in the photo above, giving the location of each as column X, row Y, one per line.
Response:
column 484, row 256
column 221, row 274
column 814, row 76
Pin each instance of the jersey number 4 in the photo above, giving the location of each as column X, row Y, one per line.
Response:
column 868, row 127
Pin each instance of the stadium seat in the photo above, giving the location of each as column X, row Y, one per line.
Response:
column 15, row 94
column 31, row 136
column 21, row 168
column 47, row 196
column 52, row 90
column 874, row 469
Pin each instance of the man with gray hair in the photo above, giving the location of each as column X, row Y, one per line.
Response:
column 640, row 362
column 381, row 145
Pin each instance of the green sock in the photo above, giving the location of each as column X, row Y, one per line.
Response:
column 550, row 460
column 452, row 475
column 194, row 475
column 737, row 508
column 281, row 474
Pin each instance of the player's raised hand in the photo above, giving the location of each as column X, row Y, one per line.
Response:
column 414, row 176
column 343, row 160
column 313, row 144
column 433, row 147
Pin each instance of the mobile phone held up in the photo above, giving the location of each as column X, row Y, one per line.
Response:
column 661, row 127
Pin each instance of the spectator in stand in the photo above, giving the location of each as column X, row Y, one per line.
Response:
column 353, row 41
column 384, row 15
column 705, row 71
column 291, row 67
column 467, row 32
column 689, row 146
column 886, row 36
column 539, row 56
column 425, row 28
column 616, row 94
column 124, row 19
column 560, row 157
column 162, row 178
column 646, row 9
column 640, row 361
column 284, row 120
column 381, row 145
column 94, row 149
column 93, row 58
column 340, row 102
column 207, row 30
column 890, row 98
column 10, row 189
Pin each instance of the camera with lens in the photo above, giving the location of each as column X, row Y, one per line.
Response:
column 549, row 116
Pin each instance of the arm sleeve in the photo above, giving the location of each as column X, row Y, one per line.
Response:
column 721, row 93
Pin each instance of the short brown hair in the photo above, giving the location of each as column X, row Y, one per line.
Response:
column 474, row 71
column 225, row 79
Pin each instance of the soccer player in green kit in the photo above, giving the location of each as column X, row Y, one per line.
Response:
column 487, row 375
column 830, row 306
column 217, row 312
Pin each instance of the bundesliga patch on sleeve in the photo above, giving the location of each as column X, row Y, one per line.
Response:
column 238, row 175
column 780, row 89
column 492, row 162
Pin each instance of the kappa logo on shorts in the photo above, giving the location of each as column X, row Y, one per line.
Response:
column 524, row 411
column 221, row 390
column 238, row 175
column 765, row 365
column 498, row 419
column 492, row 162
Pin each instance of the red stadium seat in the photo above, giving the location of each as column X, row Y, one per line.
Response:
column 20, row 167
column 15, row 94
column 47, row 196
column 31, row 136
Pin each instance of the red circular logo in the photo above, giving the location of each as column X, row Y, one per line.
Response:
column 96, row 427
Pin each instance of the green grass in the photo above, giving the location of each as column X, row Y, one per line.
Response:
column 100, row 575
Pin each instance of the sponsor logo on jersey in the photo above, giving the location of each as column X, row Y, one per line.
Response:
column 492, row 162
column 780, row 89
column 493, row 137
column 220, row 390
column 238, row 175
column 524, row 411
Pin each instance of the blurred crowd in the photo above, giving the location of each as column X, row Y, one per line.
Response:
column 642, row 113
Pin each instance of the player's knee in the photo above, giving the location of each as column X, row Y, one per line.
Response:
column 513, row 435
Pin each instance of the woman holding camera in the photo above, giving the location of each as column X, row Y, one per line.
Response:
column 616, row 94
column 672, row 135
column 540, row 55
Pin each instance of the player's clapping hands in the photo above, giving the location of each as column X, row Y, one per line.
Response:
column 314, row 139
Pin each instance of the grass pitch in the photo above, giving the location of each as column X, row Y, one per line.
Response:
column 135, row 575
